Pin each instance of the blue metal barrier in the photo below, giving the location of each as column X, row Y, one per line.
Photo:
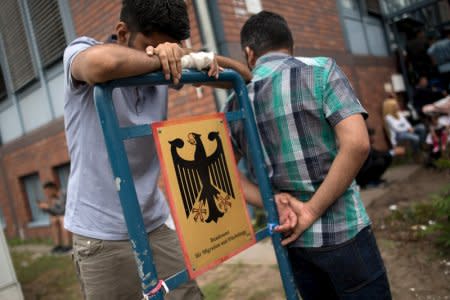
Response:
column 114, row 139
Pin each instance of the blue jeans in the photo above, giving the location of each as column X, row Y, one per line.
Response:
column 352, row 270
column 416, row 138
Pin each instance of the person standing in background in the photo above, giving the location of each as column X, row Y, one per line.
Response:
column 55, row 206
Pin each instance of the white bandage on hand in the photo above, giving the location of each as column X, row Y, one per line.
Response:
column 197, row 60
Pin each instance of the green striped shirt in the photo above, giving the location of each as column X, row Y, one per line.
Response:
column 297, row 102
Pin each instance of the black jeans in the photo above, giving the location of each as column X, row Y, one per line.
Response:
column 352, row 270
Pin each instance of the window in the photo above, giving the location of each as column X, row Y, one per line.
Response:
column 63, row 173
column 34, row 193
column 350, row 4
column 43, row 19
column 393, row 6
column 364, row 27
column 15, row 42
column 373, row 7
column 48, row 30
column 3, row 94
column 33, row 36
column 2, row 219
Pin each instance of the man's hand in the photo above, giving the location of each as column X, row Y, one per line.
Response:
column 170, row 55
column 214, row 68
column 399, row 151
column 304, row 214
column 43, row 205
column 288, row 218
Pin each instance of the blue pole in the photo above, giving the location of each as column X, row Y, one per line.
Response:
column 265, row 188
column 125, row 187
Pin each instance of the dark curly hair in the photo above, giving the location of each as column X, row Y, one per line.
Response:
column 164, row 16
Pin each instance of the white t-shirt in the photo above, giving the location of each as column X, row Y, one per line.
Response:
column 396, row 126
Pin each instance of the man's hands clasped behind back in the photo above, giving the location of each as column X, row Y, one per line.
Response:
column 299, row 215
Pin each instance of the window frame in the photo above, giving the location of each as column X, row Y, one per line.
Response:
column 38, row 218
column 43, row 75
column 362, row 16
column 4, row 93
column 2, row 219
column 60, row 172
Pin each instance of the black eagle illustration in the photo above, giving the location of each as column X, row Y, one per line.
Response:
column 203, row 178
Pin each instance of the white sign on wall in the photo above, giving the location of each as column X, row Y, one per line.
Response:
column 397, row 83
column 253, row 6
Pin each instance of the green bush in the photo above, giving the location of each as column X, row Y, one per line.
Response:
column 441, row 205
column 427, row 219
column 442, row 164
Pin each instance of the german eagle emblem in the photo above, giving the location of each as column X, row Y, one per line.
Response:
column 205, row 183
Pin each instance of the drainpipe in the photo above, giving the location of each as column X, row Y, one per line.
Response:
column 212, row 35
column 217, row 25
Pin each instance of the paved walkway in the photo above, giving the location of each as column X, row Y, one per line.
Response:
column 392, row 175
column 262, row 253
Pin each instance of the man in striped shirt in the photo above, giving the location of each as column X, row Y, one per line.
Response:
column 314, row 139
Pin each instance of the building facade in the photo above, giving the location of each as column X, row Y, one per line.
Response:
column 33, row 34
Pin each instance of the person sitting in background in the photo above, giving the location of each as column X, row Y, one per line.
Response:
column 438, row 135
column 376, row 164
column 55, row 205
column 398, row 127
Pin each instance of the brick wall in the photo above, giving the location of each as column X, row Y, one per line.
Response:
column 5, row 205
column 95, row 19
column 30, row 155
column 314, row 24
column 191, row 100
column 371, row 92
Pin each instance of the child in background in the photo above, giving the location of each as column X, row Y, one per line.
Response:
column 438, row 134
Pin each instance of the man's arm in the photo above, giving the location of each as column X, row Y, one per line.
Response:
column 251, row 191
column 227, row 63
column 353, row 150
column 43, row 205
column 106, row 62
column 239, row 67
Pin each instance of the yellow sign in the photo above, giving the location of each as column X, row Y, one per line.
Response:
column 205, row 198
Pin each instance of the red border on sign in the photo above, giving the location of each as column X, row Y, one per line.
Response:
column 155, row 126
